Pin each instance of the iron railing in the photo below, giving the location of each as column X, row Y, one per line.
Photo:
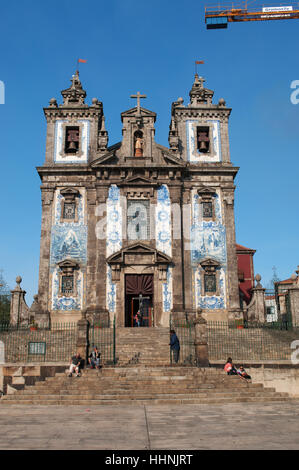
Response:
column 43, row 344
column 184, row 330
column 104, row 338
column 256, row 342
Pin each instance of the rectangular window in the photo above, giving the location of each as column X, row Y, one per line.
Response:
column 207, row 210
column 138, row 220
column 69, row 210
column 210, row 282
column 67, row 284
column 72, row 139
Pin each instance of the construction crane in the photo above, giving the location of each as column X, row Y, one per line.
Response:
column 218, row 17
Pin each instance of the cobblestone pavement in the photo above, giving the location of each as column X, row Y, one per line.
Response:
column 192, row 427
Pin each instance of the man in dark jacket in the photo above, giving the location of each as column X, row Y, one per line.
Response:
column 175, row 346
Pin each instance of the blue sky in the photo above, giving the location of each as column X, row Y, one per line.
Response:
column 151, row 46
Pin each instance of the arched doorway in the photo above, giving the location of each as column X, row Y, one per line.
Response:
column 139, row 291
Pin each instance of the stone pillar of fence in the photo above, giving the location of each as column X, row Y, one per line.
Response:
column 19, row 310
column 201, row 340
column 37, row 315
column 294, row 301
column 82, row 336
column 256, row 310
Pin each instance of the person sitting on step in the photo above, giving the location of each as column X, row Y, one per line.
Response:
column 243, row 374
column 76, row 361
column 230, row 368
column 94, row 358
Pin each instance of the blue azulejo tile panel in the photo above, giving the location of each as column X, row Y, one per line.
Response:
column 193, row 153
column 113, row 241
column 111, row 292
column 208, row 240
column 69, row 303
column 163, row 221
column 214, row 301
column 167, row 291
column 68, row 242
column 114, row 221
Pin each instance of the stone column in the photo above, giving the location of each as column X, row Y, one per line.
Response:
column 82, row 337
column 233, row 307
column 100, row 256
column 18, row 307
column 201, row 341
column 45, row 247
column 177, row 271
column 186, row 251
column 294, row 301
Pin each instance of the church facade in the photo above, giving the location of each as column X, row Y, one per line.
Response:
column 136, row 228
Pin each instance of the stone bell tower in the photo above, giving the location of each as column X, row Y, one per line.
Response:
column 199, row 136
column 76, row 135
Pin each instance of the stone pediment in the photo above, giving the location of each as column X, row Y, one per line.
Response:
column 204, row 191
column 171, row 159
column 138, row 180
column 139, row 253
column 209, row 264
column 133, row 112
column 108, row 158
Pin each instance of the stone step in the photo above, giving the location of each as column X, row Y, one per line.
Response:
column 144, row 396
column 185, row 401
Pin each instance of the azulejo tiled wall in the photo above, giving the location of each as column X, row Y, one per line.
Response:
column 208, row 240
column 113, row 240
column 68, row 241
column 164, row 239
column 193, row 154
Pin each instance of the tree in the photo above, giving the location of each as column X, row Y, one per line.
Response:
column 4, row 299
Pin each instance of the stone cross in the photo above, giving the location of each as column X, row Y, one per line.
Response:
column 138, row 96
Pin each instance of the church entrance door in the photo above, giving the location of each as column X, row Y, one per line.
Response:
column 139, row 300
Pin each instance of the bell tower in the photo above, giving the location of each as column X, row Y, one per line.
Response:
column 198, row 135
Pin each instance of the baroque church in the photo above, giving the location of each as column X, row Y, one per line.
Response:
column 137, row 226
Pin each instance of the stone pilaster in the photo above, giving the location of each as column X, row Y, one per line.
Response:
column 45, row 247
column 177, row 272
column 100, row 254
column 82, row 336
column 233, row 304
column 201, row 341
column 256, row 310
column 186, row 251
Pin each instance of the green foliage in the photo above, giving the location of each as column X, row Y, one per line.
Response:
column 4, row 300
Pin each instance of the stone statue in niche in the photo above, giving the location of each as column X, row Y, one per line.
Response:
column 138, row 144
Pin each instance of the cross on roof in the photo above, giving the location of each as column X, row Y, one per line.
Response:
column 138, row 96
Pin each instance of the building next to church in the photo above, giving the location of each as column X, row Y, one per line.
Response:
column 137, row 226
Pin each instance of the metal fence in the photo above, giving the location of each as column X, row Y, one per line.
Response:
column 255, row 342
column 43, row 344
column 185, row 332
column 104, row 338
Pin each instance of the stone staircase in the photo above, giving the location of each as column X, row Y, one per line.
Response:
column 143, row 386
column 142, row 346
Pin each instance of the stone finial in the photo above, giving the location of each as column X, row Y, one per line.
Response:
column 75, row 95
column 258, row 279
column 294, row 277
column 200, row 95
column 53, row 103
column 222, row 102
column 18, row 281
column 297, row 270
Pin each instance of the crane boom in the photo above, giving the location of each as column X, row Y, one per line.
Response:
column 219, row 16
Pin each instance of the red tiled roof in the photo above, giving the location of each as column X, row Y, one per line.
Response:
column 244, row 248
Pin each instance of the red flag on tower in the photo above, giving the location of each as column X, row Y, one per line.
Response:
column 82, row 61
column 199, row 62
